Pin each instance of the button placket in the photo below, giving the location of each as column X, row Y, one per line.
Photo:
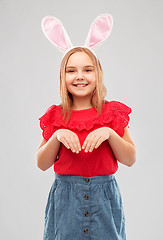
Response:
column 86, row 206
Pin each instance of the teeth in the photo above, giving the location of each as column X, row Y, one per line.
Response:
column 81, row 85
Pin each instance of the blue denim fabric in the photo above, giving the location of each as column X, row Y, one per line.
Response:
column 81, row 208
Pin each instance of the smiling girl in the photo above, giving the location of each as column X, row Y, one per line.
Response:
column 84, row 138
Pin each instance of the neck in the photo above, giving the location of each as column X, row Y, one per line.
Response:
column 81, row 103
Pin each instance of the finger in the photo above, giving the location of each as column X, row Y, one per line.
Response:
column 92, row 146
column 85, row 142
column 98, row 142
column 89, row 143
column 70, row 142
column 64, row 141
column 89, row 136
column 73, row 144
column 77, row 144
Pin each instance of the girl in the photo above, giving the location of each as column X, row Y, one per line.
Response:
column 84, row 138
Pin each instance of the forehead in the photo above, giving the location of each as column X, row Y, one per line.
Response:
column 79, row 59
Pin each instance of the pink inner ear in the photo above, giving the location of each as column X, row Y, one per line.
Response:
column 54, row 31
column 100, row 30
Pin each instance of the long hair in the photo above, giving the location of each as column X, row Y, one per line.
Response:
column 99, row 93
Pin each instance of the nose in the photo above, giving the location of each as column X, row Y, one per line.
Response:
column 79, row 75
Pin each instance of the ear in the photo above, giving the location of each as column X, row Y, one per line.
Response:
column 56, row 33
column 99, row 31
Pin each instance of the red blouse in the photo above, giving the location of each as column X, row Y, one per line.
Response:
column 100, row 161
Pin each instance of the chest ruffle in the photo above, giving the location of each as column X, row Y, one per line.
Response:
column 115, row 115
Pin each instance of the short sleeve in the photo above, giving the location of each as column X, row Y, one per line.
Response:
column 121, row 117
column 46, row 122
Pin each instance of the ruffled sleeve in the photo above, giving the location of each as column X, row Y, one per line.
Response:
column 46, row 122
column 121, row 116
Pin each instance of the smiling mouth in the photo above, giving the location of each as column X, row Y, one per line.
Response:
column 80, row 85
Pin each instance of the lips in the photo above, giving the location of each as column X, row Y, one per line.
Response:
column 80, row 85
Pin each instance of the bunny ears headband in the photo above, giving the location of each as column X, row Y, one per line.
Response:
column 55, row 32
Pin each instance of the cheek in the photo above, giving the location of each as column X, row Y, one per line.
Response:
column 69, row 79
column 92, row 78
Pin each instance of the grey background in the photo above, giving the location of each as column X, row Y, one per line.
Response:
column 29, row 68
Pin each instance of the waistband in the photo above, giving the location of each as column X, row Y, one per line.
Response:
column 86, row 180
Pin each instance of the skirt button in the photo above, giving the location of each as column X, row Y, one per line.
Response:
column 85, row 230
column 86, row 197
column 86, row 214
column 87, row 180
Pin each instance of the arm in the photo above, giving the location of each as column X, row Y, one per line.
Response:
column 47, row 152
column 123, row 147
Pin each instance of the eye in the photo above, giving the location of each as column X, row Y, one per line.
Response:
column 88, row 70
column 70, row 71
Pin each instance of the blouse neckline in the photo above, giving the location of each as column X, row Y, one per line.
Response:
column 86, row 109
column 81, row 110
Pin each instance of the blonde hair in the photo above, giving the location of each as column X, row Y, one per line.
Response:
column 98, row 95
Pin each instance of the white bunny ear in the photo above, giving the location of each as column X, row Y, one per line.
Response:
column 99, row 31
column 56, row 33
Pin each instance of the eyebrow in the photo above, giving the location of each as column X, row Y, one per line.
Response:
column 74, row 67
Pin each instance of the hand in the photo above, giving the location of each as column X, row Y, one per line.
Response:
column 95, row 138
column 69, row 139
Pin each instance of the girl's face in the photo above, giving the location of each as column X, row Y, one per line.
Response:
column 80, row 75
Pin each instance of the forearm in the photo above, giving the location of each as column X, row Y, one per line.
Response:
column 47, row 154
column 123, row 151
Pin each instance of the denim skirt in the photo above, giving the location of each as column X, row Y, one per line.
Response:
column 84, row 208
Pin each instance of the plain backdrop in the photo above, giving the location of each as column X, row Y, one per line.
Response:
column 29, row 83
